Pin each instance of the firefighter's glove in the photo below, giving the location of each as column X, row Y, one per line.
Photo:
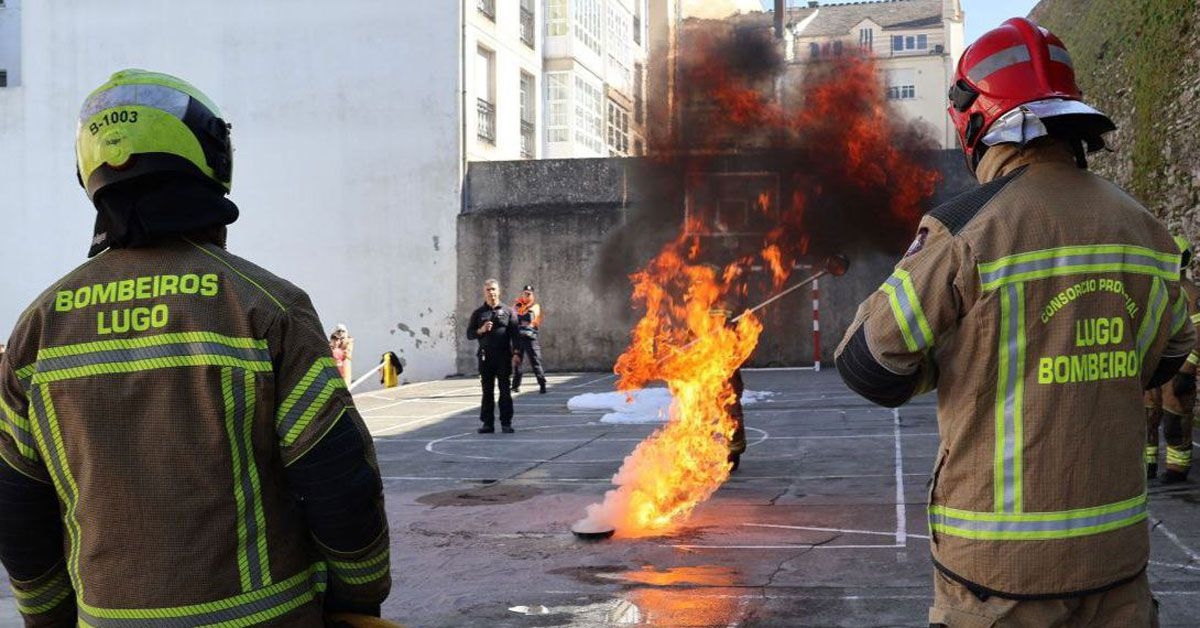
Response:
column 1183, row 384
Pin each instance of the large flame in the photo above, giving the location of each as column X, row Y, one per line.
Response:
column 844, row 150
column 685, row 340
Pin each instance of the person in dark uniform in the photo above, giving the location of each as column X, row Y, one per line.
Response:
column 529, row 320
column 494, row 325
column 737, row 444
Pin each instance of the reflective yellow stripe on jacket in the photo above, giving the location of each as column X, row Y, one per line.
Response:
column 1008, row 521
column 240, row 359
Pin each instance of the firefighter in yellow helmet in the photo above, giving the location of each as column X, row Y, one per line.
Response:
column 1171, row 405
column 1040, row 306
column 176, row 445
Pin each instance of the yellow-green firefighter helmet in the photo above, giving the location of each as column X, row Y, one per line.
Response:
column 142, row 122
column 1185, row 250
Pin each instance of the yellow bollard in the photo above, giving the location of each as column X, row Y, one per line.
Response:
column 390, row 373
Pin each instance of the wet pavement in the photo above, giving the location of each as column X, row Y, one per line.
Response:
column 823, row 524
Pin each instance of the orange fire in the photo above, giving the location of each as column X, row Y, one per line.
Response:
column 845, row 138
column 681, row 341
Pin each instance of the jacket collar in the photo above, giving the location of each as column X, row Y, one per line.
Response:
column 1002, row 159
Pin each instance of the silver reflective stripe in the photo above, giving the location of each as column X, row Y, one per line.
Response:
column 151, row 352
column 291, row 591
column 998, row 61
column 910, row 315
column 1060, row 54
column 161, row 97
column 1126, row 258
column 20, row 433
column 46, row 423
column 1154, row 312
column 240, row 426
column 1013, row 306
column 54, row 591
column 302, row 405
column 1046, row 525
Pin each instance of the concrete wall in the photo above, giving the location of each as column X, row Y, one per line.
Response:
column 543, row 223
column 547, row 223
column 347, row 134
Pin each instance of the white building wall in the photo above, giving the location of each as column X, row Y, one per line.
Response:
column 348, row 146
column 510, row 56
column 928, row 106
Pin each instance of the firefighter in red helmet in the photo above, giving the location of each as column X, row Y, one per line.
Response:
column 1039, row 305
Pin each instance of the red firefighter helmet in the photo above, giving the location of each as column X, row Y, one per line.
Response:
column 1015, row 83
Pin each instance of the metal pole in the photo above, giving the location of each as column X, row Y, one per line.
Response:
column 365, row 376
column 792, row 288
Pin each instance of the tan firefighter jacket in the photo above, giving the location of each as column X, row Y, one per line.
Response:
column 162, row 392
column 1039, row 305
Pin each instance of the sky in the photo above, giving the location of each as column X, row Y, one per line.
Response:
column 981, row 15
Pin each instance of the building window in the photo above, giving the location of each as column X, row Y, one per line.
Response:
column 922, row 42
column 837, row 48
column 3, row 73
column 619, row 26
column 639, row 93
column 587, row 23
column 866, row 38
column 897, row 43
column 901, row 84
column 528, row 115
column 527, row 22
column 814, row 50
column 618, row 130
column 637, row 21
column 487, row 7
column 558, row 103
column 557, row 18
column 485, row 95
column 589, row 115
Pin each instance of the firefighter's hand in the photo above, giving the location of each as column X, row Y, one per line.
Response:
column 486, row 328
column 1183, row 384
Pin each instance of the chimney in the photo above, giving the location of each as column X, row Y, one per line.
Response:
column 779, row 19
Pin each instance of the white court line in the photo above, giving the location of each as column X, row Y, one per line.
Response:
column 732, row 480
column 1176, row 566
column 847, row 436
column 1157, row 524
column 787, row 527
column 757, row 369
column 901, row 520
column 435, row 401
column 803, row 546
column 590, row 381
column 384, row 431
column 638, row 440
column 696, row 592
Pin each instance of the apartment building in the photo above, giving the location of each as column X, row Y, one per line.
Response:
column 916, row 44
column 594, row 71
column 502, row 58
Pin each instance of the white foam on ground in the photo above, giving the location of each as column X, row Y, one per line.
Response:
column 644, row 405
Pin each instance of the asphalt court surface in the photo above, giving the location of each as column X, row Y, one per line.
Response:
column 823, row 524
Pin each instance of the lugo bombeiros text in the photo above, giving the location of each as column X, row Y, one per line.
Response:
column 127, row 317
